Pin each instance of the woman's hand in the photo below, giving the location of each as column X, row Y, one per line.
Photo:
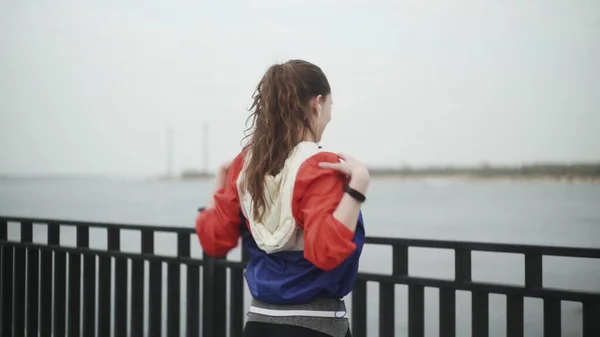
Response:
column 220, row 182
column 222, row 175
column 357, row 171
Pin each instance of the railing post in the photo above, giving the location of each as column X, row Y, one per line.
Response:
column 387, row 291
column 514, row 316
column 214, row 308
column 552, row 318
column 19, row 282
column 33, row 260
column 447, row 326
column 173, row 285
column 591, row 319
column 359, row 309
column 154, row 285
column 533, row 271
column 137, row 292
column 236, row 299
column 400, row 260
column 75, row 281
column 193, row 294
column 120, row 295
column 5, row 301
column 462, row 273
column 89, row 283
column 7, row 286
column 462, row 265
column 104, row 282
column 46, row 266
column 416, row 309
column 60, row 283
column 480, row 313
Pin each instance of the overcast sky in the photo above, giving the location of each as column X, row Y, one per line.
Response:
column 90, row 87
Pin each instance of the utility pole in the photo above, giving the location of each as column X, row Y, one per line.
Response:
column 205, row 152
column 169, row 161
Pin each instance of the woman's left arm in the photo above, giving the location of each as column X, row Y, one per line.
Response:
column 218, row 226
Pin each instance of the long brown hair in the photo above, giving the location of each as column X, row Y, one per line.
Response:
column 279, row 120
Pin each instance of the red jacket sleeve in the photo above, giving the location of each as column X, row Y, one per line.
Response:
column 218, row 227
column 317, row 193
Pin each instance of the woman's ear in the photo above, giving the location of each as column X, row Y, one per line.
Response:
column 318, row 101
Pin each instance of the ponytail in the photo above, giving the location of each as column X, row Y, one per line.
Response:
column 279, row 120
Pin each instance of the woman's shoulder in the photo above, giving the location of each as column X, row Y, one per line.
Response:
column 312, row 162
column 310, row 170
column 237, row 164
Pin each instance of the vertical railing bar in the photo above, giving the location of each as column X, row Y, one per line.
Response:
column 192, row 326
column 386, row 309
column 214, row 307
column 514, row 316
column 7, row 290
column 20, row 279
column 46, row 279
column 400, row 260
column 552, row 318
column 3, row 302
column 447, row 312
column 416, row 311
column 220, row 303
column 208, row 282
column 59, row 308
column 173, row 285
column 236, row 302
column 33, row 282
column 480, row 314
column 359, row 309
column 104, row 284
column 75, row 281
column 533, row 271
column 193, row 301
column 462, row 265
column 137, row 297
column 26, row 232
column 88, row 311
column 120, row 286
column 19, row 293
column 591, row 319
column 137, row 290
column 154, row 285
column 89, row 295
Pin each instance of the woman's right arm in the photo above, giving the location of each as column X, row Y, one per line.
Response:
column 348, row 210
column 328, row 215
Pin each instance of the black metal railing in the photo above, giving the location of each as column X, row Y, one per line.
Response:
column 60, row 290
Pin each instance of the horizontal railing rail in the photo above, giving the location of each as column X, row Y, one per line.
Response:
column 59, row 290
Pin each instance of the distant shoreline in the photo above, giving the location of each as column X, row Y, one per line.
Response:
column 453, row 177
column 568, row 173
column 476, row 178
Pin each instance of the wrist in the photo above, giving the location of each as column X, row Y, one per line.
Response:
column 359, row 182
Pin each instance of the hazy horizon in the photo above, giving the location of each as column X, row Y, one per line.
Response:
column 89, row 89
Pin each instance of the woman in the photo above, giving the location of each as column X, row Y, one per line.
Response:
column 300, row 206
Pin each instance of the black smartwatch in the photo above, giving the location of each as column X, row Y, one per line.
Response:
column 355, row 194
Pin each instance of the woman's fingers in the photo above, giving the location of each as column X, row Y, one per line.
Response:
column 333, row 166
column 341, row 167
column 344, row 156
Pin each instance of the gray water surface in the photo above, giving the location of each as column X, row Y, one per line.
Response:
column 550, row 213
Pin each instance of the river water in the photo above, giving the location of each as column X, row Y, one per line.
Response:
column 542, row 212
